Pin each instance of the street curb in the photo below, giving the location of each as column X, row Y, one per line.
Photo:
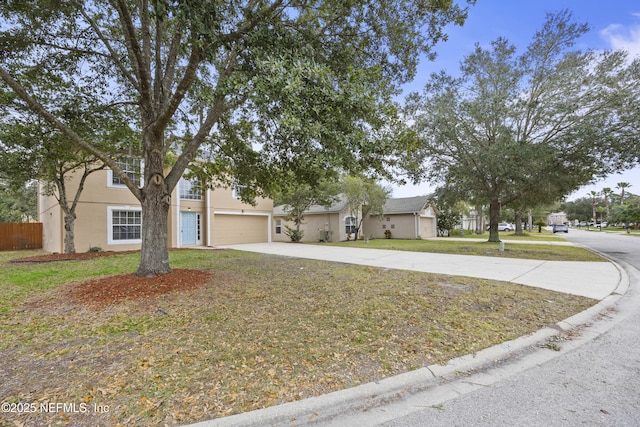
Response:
column 365, row 397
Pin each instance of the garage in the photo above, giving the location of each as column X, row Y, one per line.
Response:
column 231, row 229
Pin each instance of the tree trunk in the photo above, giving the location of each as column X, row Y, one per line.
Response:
column 518, row 219
column 494, row 219
column 154, row 259
column 69, row 225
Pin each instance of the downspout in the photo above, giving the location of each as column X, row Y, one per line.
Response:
column 208, row 210
column 416, row 221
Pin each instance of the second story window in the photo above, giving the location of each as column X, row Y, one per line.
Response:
column 237, row 190
column 190, row 189
column 132, row 167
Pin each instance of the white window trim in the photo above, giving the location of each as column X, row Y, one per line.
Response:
column 110, row 183
column 182, row 182
column 110, row 240
column 235, row 191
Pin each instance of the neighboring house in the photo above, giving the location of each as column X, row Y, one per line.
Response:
column 557, row 218
column 405, row 218
column 330, row 224
column 110, row 217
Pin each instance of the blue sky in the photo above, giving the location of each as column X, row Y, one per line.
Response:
column 615, row 24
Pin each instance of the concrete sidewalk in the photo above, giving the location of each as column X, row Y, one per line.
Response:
column 594, row 280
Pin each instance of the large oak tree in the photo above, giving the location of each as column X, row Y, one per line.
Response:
column 267, row 86
column 526, row 129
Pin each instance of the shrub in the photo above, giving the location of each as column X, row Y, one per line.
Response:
column 294, row 234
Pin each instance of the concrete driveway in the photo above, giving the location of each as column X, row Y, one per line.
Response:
column 594, row 280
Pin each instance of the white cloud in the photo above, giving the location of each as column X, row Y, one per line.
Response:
column 623, row 37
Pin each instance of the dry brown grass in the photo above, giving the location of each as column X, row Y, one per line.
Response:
column 262, row 331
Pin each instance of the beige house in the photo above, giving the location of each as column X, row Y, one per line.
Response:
column 404, row 218
column 110, row 217
column 330, row 224
column 557, row 218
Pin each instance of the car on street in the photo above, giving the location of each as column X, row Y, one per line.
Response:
column 503, row 226
column 560, row 228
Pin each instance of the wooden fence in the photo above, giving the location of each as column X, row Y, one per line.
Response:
column 15, row 236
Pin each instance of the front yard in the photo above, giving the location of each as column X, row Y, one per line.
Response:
column 247, row 331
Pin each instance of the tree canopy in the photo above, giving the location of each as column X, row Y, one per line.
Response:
column 254, row 87
column 521, row 130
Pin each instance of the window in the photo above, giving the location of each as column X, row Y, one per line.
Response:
column 190, row 189
column 350, row 224
column 237, row 189
column 125, row 225
column 388, row 218
column 384, row 226
column 278, row 226
column 393, row 226
column 132, row 167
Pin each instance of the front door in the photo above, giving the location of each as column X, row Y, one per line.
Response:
column 189, row 227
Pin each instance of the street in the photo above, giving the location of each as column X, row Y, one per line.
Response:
column 594, row 384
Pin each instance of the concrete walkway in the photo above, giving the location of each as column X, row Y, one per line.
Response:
column 594, row 280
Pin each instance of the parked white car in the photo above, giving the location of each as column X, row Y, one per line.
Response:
column 503, row 226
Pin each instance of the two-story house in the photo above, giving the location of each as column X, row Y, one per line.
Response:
column 110, row 217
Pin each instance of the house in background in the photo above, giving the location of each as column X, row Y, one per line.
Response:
column 405, row 218
column 330, row 224
column 557, row 218
column 110, row 217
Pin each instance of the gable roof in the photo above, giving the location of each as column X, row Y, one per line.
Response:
column 337, row 206
column 405, row 205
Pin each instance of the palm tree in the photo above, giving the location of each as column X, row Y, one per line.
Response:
column 622, row 186
column 594, row 194
column 606, row 192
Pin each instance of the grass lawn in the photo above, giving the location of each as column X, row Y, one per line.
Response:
column 534, row 236
column 263, row 331
column 512, row 250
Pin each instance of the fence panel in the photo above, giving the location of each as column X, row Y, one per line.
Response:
column 15, row 236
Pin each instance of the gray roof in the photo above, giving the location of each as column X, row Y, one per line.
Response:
column 338, row 206
column 392, row 206
column 405, row 205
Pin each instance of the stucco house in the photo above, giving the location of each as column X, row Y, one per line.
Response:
column 110, row 217
column 328, row 224
column 405, row 218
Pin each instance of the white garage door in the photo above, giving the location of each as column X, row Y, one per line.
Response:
column 232, row 229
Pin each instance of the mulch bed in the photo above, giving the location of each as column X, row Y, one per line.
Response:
column 123, row 287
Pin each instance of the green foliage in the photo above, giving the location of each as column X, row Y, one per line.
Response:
column 627, row 213
column 262, row 90
column 297, row 198
column 580, row 209
column 364, row 196
column 95, row 249
column 18, row 203
column 524, row 130
column 295, row 234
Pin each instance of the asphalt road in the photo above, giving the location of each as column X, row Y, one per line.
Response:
column 595, row 383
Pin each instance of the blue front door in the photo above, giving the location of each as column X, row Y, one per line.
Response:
column 189, row 226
